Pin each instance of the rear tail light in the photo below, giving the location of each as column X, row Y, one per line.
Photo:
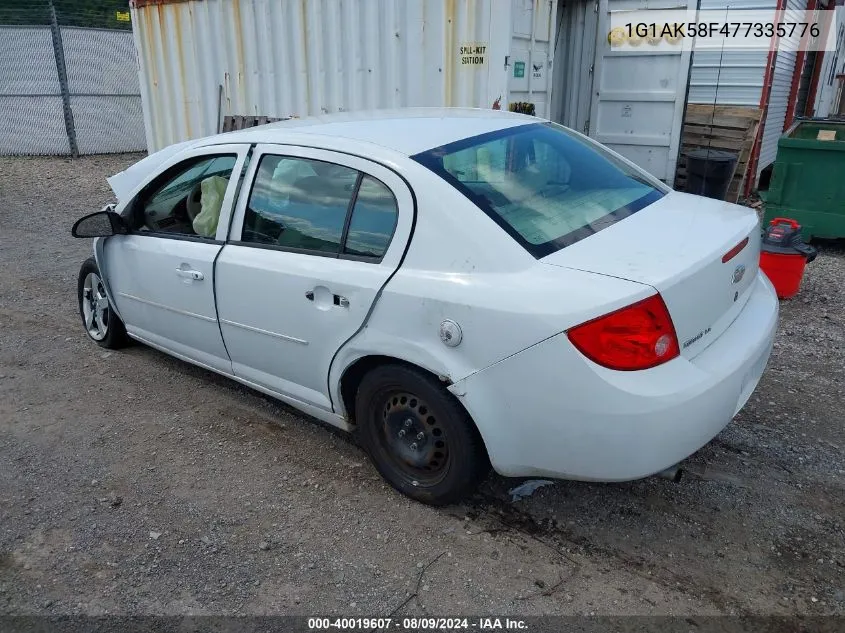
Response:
column 638, row 336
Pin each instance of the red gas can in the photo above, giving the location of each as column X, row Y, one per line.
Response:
column 783, row 256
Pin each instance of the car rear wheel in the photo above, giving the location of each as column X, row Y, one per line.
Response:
column 418, row 436
column 101, row 324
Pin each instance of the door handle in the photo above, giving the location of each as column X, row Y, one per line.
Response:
column 343, row 302
column 190, row 274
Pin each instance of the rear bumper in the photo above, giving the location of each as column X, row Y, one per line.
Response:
column 548, row 411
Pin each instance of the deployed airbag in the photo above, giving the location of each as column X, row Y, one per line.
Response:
column 213, row 191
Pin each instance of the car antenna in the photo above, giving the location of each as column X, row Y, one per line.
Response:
column 715, row 101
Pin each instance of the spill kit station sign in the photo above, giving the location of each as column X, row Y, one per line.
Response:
column 473, row 54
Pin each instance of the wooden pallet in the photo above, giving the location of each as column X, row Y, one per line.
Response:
column 241, row 122
column 729, row 128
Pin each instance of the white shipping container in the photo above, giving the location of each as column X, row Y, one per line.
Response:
column 631, row 99
column 830, row 99
column 203, row 59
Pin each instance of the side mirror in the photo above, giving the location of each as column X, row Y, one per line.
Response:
column 100, row 224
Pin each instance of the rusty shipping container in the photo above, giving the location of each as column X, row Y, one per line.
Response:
column 203, row 59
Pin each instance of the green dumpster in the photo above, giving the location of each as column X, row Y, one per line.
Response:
column 808, row 180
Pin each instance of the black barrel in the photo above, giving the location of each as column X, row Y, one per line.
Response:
column 709, row 172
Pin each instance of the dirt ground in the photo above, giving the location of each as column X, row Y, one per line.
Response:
column 133, row 483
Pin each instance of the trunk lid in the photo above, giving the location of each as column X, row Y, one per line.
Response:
column 676, row 245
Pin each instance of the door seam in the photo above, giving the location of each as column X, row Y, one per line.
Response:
column 225, row 243
column 381, row 289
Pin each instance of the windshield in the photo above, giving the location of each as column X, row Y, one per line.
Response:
column 545, row 185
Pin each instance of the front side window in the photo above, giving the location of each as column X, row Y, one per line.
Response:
column 544, row 185
column 315, row 206
column 187, row 200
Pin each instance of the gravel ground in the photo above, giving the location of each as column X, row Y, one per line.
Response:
column 134, row 483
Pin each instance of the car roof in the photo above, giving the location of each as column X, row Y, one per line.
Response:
column 408, row 131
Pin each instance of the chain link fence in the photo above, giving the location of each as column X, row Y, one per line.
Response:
column 68, row 78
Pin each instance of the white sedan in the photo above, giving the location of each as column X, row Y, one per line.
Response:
column 458, row 288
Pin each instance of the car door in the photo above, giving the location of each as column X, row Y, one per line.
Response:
column 312, row 243
column 162, row 273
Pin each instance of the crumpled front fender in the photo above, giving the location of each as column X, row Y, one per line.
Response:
column 99, row 257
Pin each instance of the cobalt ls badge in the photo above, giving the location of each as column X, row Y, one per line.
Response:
column 739, row 273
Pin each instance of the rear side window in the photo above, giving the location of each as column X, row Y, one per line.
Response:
column 544, row 185
column 373, row 220
column 315, row 206
column 299, row 204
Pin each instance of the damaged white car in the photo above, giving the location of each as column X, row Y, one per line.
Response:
column 458, row 288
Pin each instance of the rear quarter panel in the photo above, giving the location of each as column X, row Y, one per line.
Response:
column 461, row 266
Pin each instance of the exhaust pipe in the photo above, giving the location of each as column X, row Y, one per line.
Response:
column 673, row 473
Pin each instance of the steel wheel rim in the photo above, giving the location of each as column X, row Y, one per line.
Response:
column 95, row 307
column 414, row 439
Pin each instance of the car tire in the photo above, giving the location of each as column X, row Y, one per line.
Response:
column 418, row 436
column 101, row 323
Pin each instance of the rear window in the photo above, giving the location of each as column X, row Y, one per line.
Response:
column 544, row 185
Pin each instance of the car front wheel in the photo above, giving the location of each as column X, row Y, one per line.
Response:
column 101, row 323
column 418, row 436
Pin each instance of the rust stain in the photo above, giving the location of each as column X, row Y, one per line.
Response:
column 145, row 24
column 160, row 15
column 239, row 45
column 162, row 34
column 149, row 61
column 139, row 4
column 182, row 78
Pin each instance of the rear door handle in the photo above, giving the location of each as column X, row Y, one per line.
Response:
column 190, row 274
column 343, row 302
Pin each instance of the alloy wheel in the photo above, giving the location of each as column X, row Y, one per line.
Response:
column 95, row 307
